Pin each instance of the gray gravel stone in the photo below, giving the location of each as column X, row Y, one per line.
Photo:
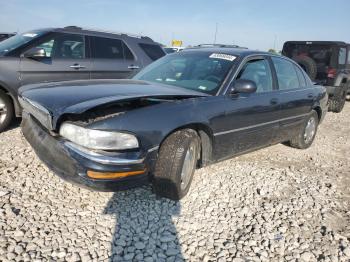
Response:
column 276, row 204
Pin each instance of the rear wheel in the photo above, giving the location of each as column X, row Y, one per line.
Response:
column 307, row 133
column 337, row 102
column 177, row 161
column 6, row 111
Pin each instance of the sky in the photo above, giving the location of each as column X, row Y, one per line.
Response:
column 255, row 24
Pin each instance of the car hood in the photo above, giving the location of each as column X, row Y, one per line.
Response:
column 76, row 97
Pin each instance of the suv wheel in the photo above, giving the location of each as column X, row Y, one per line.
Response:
column 307, row 133
column 337, row 102
column 6, row 111
column 308, row 64
column 177, row 161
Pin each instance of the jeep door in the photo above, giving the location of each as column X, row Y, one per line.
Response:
column 65, row 58
column 296, row 96
column 112, row 59
column 251, row 120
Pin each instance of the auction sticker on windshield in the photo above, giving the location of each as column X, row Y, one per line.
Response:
column 223, row 56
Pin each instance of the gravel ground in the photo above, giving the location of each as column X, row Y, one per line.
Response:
column 276, row 204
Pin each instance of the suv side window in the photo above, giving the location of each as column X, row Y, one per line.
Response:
column 348, row 57
column 286, row 75
column 301, row 77
column 108, row 48
column 259, row 72
column 342, row 56
column 153, row 51
column 64, row 46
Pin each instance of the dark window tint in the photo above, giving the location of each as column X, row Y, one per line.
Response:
column 321, row 54
column 342, row 56
column 107, row 48
column 286, row 74
column 153, row 51
column 127, row 53
column 64, row 46
column 349, row 57
column 301, row 77
column 259, row 72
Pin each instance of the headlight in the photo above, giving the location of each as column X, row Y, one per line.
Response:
column 97, row 139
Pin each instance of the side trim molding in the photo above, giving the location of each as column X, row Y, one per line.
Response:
column 258, row 125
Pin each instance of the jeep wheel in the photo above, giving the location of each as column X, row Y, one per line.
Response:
column 337, row 102
column 177, row 161
column 308, row 64
column 307, row 134
column 6, row 111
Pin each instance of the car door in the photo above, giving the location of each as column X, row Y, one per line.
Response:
column 65, row 58
column 295, row 94
column 251, row 120
column 112, row 59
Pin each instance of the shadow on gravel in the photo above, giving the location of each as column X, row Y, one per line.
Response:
column 144, row 229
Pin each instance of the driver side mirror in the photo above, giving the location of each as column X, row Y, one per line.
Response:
column 242, row 86
column 35, row 53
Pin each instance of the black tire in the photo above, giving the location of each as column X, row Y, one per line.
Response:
column 337, row 102
column 5, row 120
column 308, row 64
column 299, row 140
column 167, row 181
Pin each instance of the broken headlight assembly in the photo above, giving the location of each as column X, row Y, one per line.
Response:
column 98, row 139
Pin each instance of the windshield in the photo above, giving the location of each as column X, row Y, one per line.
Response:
column 203, row 72
column 17, row 41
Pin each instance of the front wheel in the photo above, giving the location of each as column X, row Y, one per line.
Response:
column 307, row 133
column 6, row 111
column 177, row 161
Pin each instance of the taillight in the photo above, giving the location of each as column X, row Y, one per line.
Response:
column 331, row 73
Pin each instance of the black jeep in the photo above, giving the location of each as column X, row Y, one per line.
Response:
column 327, row 63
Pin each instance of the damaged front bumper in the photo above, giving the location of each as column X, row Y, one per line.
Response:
column 74, row 163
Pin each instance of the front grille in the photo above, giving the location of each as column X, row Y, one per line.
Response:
column 39, row 112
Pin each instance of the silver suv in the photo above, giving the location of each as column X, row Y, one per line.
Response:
column 69, row 53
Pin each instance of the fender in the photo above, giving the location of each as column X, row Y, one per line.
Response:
column 13, row 95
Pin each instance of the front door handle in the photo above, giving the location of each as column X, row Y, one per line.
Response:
column 274, row 101
column 310, row 95
column 133, row 67
column 77, row 66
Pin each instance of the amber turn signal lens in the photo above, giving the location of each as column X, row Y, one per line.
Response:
column 109, row 175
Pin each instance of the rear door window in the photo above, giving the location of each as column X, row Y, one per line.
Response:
column 342, row 56
column 108, row 48
column 153, row 51
column 286, row 74
column 301, row 77
column 348, row 57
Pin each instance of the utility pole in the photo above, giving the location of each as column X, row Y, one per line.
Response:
column 216, row 31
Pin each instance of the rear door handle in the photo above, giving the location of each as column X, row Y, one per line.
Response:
column 274, row 101
column 133, row 67
column 77, row 66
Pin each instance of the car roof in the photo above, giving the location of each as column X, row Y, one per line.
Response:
column 227, row 50
column 96, row 32
column 317, row 42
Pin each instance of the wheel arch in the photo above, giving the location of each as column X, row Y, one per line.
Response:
column 13, row 98
column 206, row 136
column 318, row 110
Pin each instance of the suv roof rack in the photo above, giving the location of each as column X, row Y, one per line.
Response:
column 72, row 27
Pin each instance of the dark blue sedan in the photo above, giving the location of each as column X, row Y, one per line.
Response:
column 184, row 111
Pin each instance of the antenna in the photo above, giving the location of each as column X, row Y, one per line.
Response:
column 216, row 31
